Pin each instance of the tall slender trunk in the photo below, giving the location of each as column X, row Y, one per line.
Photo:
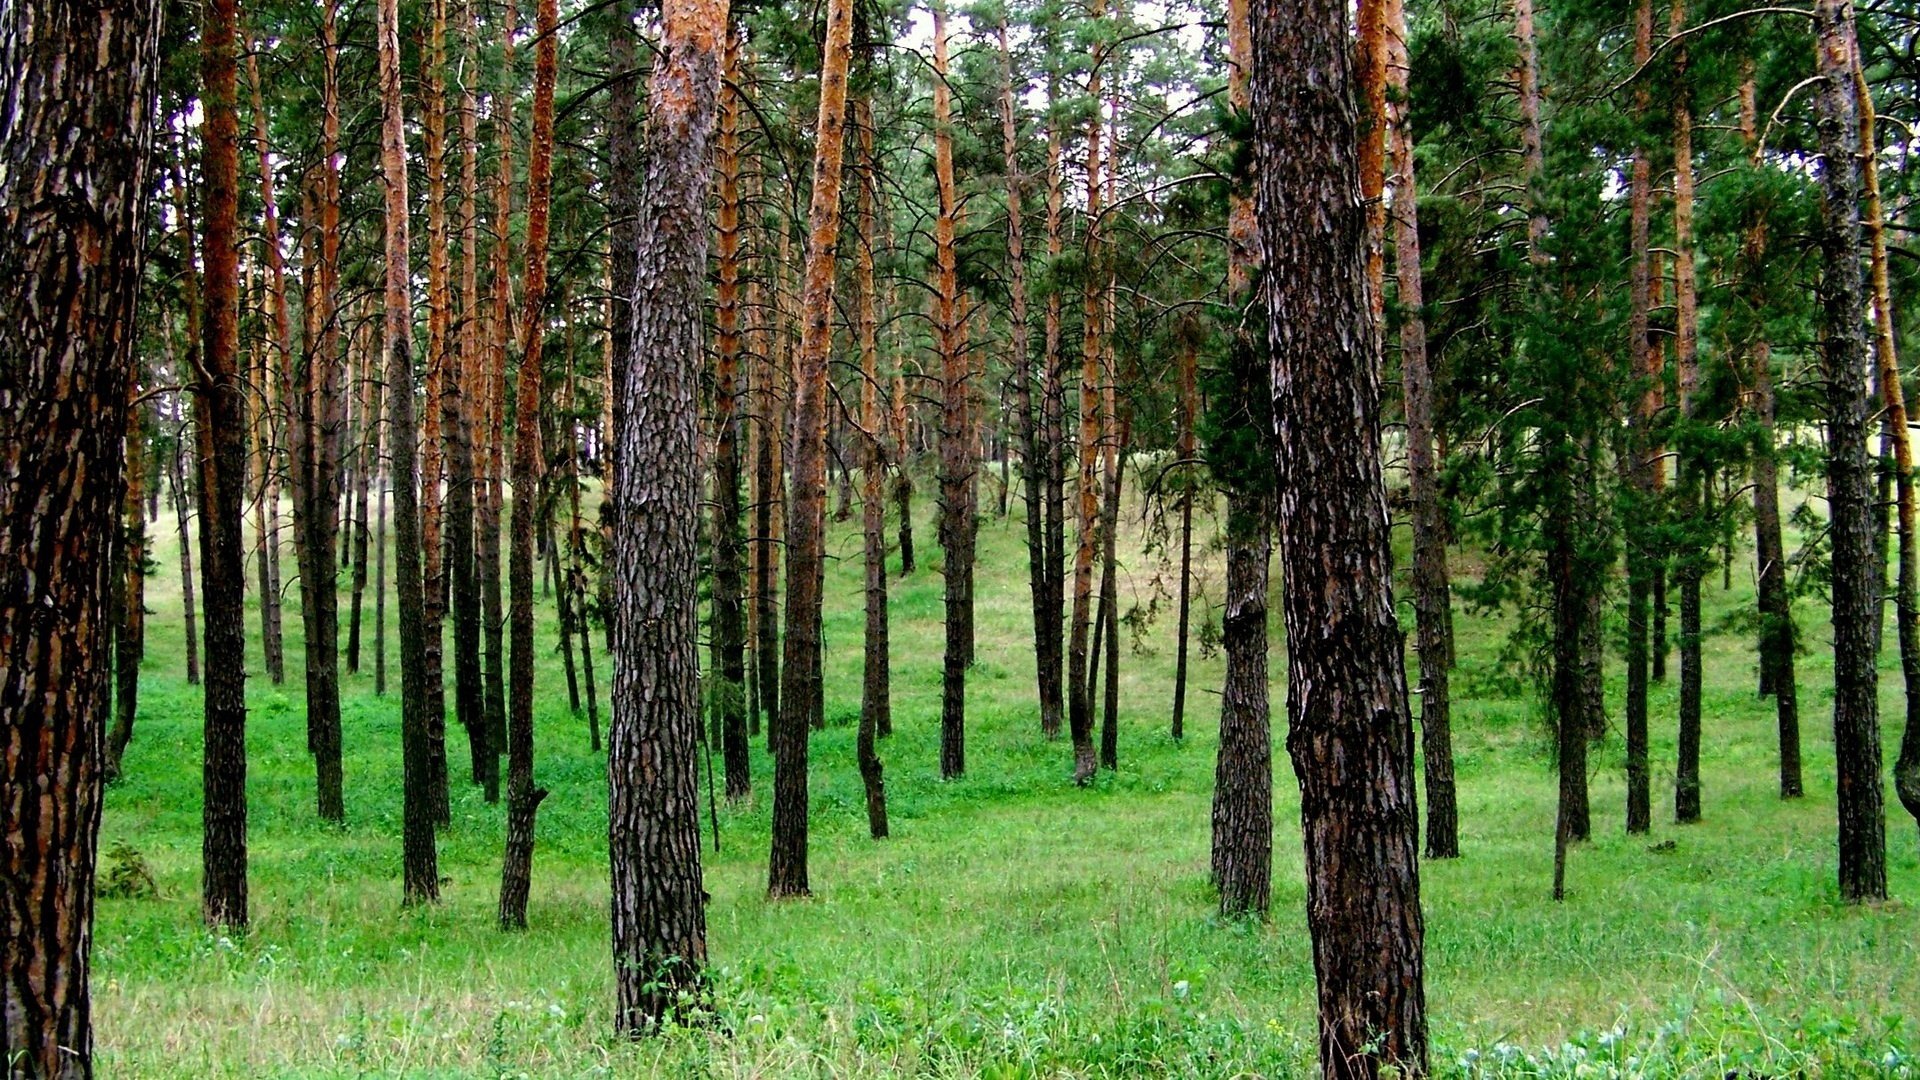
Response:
column 74, row 152
column 957, row 492
column 1856, row 720
column 729, row 629
column 128, row 579
column 1079, row 687
column 457, row 401
column 1642, row 548
column 806, row 517
column 1185, row 447
column 1432, row 596
column 182, row 498
column 875, row 699
column 383, row 487
column 314, row 427
column 1906, row 768
column 439, row 358
column 1243, row 770
column 1695, row 547
column 264, row 390
column 494, row 383
column 659, row 907
column 421, row 877
column 220, row 422
column 1121, row 424
column 1033, row 451
column 523, row 795
column 362, row 361
column 1053, row 406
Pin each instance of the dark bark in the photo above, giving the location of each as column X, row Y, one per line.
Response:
column 729, row 628
column 957, row 488
column 1432, row 595
column 806, row 510
column 876, row 705
column 421, row 872
column 1243, row 772
column 1843, row 352
column 220, row 421
column 529, row 467
column 128, row 578
column 316, row 423
column 74, row 145
column 659, row 906
column 457, row 404
column 182, row 499
column 1347, row 695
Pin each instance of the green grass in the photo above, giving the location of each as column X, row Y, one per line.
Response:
column 1014, row 925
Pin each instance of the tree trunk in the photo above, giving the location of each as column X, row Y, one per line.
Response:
column 1695, row 547
column 314, row 428
column 1185, row 447
column 129, row 576
column 1432, row 597
column 1856, row 721
column 523, row 795
column 1053, row 407
column 1243, row 772
column 457, row 402
column 73, row 157
column 1347, row 696
column 1906, row 768
column 957, row 492
column 487, row 515
column 1079, row 686
column 1033, row 451
column 875, row 700
column 366, row 469
column 1642, row 546
column 1116, row 455
column 177, row 480
column 659, row 906
column 220, row 421
column 806, row 510
column 729, row 629
column 421, row 878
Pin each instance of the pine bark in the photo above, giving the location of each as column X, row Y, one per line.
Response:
column 494, row 387
column 439, row 359
column 1906, row 768
column 729, row 629
column 806, row 509
column 457, row 401
column 421, row 872
column 659, row 906
column 220, row 422
column 1641, row 545
column 1079, row 685
column 1034, row 452
column 523, row 795
column 1776, row 643
column 1843, row 357
column 1694, row 549
column 75, row 146
column 128, row 577
column 1432, row 597
column 876, row 705
column 315, row 425
column 957, row 492
column 1347, row 696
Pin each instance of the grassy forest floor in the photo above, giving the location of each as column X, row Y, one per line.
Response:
column 1014, row 925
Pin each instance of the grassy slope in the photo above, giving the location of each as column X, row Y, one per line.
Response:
column 1014, row 925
